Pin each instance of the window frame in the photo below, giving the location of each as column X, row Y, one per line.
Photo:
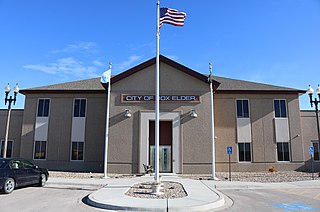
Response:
column 250, row 148
column 83, row 151
column 316, row 150
column 12, row 146
column 34, row 150
column 38, row 105
column 280, row 112
column 242, row 114
column 79, row 113
column 283, row 153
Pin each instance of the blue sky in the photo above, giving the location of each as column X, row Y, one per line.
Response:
column 54, row 41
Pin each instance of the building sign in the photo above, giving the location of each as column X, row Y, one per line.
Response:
column 165, row 98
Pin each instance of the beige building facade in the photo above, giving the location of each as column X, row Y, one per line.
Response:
column 62, row 126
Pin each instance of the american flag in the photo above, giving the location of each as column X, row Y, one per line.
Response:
column 171, row 16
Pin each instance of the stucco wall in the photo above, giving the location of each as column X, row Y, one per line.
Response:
column 195, row 138
column 309, row 134
column 124, row 132
column 263, row 144
column 14, row 128
column 59, row 132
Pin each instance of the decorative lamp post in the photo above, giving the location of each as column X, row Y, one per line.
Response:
column 315, row 102
column 9, row 101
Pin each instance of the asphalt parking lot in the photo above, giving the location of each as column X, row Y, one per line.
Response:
column 49, row 198
column 68, row 195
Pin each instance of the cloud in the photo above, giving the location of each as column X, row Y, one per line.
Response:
column 82, row 46
column 172, row 57
column 66, row 66
column 98, row 63
column 128, row 63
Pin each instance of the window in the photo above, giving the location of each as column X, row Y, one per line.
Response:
column 43, row 107
column 9, row 148
column 280, row 108
column 79, row 108
column 283, row 151
column 315, row 144
column 77, row 150
column 27, row 165
column 40, row 148
column 242, row 108
column 244, row 152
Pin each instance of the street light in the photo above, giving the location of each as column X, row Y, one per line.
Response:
column 315, row 102
column 9, row 101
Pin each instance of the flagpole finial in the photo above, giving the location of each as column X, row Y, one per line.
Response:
column 110, row 65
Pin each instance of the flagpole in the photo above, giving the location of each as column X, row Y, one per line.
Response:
column 213, row 176
column 107, row 125
column 157, row 103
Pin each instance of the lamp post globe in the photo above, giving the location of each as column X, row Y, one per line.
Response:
column 310, row 90
column 318, row 91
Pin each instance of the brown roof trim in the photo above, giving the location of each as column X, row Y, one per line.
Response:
column 260, row 91
column 60, row 91
column 168, row 62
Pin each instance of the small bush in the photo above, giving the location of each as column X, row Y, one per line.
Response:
column 273, row 169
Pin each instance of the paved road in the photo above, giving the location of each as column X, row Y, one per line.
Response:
column 300, row 196
column 67, row 197
column 50, row 199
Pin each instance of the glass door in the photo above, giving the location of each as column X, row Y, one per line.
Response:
column 165, row 163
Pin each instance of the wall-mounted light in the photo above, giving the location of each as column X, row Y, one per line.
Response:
column 193, row 113
column 127, row 113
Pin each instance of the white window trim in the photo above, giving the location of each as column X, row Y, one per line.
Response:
column 74, row 101
column 2, row 141
column 34, row 149
column 84, row 147
column 289, row 147
column 236, row 106
column 38, row 107
column 274, row 110
column 239, row 151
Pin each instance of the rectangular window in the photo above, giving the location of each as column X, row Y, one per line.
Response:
column 43, row 107
column 280, row 108
column 40, row 149
column 77, row 150
column 9, row 149
column 242, row 108
column 79, row 108
column 316, row 156
column 283, row 151
column 244, row 152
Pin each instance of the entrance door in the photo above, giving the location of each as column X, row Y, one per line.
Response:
column 165, row 148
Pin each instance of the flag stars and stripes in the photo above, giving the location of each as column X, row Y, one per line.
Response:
column 172, row 16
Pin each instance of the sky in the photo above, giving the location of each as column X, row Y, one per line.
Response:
column 55, row 41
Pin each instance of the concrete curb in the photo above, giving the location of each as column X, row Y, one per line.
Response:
column 201, row 197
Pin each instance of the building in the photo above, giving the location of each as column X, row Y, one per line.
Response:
column 63, row 126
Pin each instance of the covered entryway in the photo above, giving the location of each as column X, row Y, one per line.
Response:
column 170, row 143
column 165, row 146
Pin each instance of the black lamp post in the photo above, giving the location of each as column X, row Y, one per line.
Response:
column 9, row 101
column 315, row 102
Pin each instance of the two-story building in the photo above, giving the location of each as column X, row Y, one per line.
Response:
column 62, row 126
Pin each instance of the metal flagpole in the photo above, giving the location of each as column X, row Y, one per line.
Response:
column 107, row 124
column 157, row 130
column 212, row 123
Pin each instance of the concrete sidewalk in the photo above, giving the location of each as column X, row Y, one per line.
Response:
column 202, row 196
